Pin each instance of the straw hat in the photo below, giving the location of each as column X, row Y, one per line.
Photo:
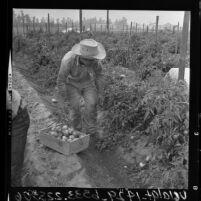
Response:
column 89, row 48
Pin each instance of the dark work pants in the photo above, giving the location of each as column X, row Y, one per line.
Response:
column 20, row 126
column 89, row 93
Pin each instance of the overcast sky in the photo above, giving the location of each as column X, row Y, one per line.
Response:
column 138, row 16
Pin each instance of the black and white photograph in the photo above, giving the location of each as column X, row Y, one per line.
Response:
column 100, row 98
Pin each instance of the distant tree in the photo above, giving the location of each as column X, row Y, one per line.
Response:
column 57, row 20
column 52, row 22
column 36, row 20
column 43, row 20
column 119, row 23
column 63, row 21
column 15, row 21
column 101, row 21
column 27, row 19
column 22, row 13
column 69, row 20
column 19, row 18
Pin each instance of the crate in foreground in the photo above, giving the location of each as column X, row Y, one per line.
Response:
column 65, row 147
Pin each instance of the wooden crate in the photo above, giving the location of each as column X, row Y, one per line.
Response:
column 65, row 147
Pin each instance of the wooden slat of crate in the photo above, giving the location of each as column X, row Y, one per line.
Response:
column 79, row 144
column 66, row 147
column 55, row 144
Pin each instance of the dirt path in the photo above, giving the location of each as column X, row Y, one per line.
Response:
column 45, row 167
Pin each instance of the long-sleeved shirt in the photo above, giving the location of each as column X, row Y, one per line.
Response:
column 16, row 102
column 71, row 71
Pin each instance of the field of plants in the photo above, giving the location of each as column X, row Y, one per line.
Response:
column 145, row 118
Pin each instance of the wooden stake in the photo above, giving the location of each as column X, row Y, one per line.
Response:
column 90, row 27
column 17, row 30
column 131, row 29
column 177, row 35
column 48, row 23
column 184, row 45
column 157, row 19
column 23, row 24
column 107, row 20
column 80, row 21
column 34, row 24
column 27, row 28
column 66, row 27
column 173, row 29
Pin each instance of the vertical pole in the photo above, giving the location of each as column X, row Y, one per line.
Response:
column 80, row 21
column 157, row 19
column 66, row 27
column 90, row 27
column 33, row 24
column 136, row 28
column 27, row 28
column 177, row 34
column 107, row 20
column 95, row 27
column 17, row 29
column 184, row 45
column 128, row 30
column 131, row 29
column 143, row 28
column 72, row 26
column 101, row 27
column 48, row 23
column 173, row 29
column 23, row 24
column 41, row 29
column 147, row 28
column 123, row 28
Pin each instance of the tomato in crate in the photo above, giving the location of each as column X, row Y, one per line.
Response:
column 65, row 141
